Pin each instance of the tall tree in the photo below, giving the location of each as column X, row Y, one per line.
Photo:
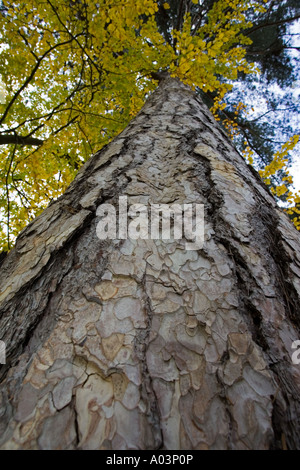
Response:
column 141, row 343
column 75, row 72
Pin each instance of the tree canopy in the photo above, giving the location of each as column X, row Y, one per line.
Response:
column 75, row 72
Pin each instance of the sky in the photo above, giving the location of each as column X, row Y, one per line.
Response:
column 295, row 169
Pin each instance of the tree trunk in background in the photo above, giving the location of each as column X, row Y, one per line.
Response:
column 142, row 344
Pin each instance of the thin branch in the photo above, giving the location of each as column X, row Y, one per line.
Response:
column 86, row 137
column 6, row 139
column 99, row 70
column 65, row 125
column 292, row 47
column 36, row 129
column 180, row 16
column 262, row 157
column 271, row 111
column 101, row 116
column 33, row 72
column 55, row 110
column 53, row 133
column 245, row 128
column 27, row 44
column 271, row 49
column 274, row 23
column 74, row 38
column 21, row 194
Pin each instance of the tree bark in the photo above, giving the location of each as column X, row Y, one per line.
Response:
column 142, row 344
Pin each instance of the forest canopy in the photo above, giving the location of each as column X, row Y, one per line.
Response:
column 73, row 73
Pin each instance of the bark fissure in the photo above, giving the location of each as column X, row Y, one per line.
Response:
column 71, row 207
column 19, row 340
column 76, row 425
column 263, row 331
column 141, row 345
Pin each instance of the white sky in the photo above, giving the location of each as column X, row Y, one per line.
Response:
column 295, row 172
column 295, row 169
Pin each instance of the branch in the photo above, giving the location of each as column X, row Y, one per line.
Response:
column 28, row 140
column 271, row 111
column 160, row 76
column 32, row 74
column 55, row 110
column 271, row 49
column 65, row 125
column 274, row 23
column 19, row 140
column 99, row 70
column 292, row 47
column 180, row 16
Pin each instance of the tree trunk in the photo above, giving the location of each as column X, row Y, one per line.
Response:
column 144, row 344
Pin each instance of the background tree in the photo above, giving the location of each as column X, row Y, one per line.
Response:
column 275, row 49
column 76, row 72
column 258, row 131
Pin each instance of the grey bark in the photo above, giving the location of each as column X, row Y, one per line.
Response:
column 141, row 344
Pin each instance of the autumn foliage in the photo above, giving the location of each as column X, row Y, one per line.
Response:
column 74, row 73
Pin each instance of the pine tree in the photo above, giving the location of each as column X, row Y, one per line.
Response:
column 143, row 343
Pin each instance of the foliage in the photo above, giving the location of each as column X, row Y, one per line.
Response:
column 74, row 73
column 279, row 163
column 294, row 209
